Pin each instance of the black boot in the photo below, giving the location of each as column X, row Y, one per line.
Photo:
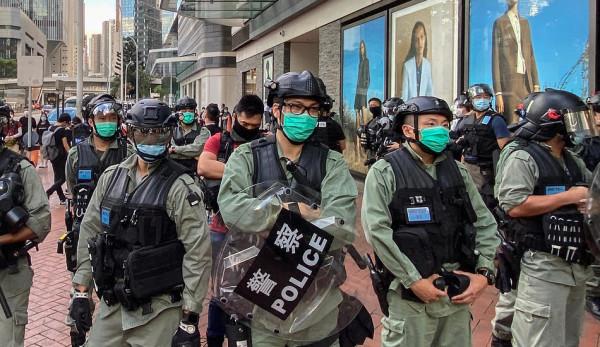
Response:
column 215, row 341
column 496, row 342
column 592, row 305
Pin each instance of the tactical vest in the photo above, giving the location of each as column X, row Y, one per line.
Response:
column 183, row 140
column 88, row 169
column 431, row 218
column 481, row 140
column 133, row 223
column 187, row 139
column 560, row 228
column 226, row 147
column 310, row 168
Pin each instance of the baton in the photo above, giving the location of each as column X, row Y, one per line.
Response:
column 4, row 304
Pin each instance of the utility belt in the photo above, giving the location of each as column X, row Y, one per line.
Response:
column 146, row 272
column 210, row 191
column 67, row 245
column 562, row 236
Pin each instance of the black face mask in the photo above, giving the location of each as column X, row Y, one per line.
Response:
column 375, row 111
column 246, row 134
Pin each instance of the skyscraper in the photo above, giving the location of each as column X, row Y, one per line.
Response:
column 95, row 54
column 46, row 14
column 141, row 20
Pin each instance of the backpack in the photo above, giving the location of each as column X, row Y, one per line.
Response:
column 50, row 150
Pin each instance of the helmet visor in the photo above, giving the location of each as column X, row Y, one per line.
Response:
column 579, row 125
column 150, row 136
column 107, row 108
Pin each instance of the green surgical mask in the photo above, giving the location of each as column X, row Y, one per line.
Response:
column 434, row 139
column 188, row 118
column 106, row 129
column 298, row 128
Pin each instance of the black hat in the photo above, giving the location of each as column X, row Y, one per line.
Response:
column 186, row 103
column 290, row 84
column 477, row 89
column 548, row 112
column 421, row 105
column 150, row 113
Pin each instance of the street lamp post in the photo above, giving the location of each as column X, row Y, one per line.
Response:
column 137, row 67
column 125, row 83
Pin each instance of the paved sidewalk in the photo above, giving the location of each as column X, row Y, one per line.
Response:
column 50, row 294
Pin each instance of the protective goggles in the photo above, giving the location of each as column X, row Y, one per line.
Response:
column 107, row 108
column 150, row 136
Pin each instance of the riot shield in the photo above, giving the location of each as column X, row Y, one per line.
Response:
column 592, row 232
column 281, row 270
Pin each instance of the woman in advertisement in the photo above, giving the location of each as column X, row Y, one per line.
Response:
column 416, row 72
column 362, row 85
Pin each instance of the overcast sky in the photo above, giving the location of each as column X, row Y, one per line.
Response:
column 96, row 12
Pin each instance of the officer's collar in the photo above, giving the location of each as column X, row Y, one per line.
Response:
column 438, row 158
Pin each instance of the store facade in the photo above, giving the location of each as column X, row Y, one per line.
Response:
column 370, row 48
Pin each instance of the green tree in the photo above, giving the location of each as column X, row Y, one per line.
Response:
column 8, row 68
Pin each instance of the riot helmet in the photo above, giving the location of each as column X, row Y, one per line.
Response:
column 555, row 112
column 294, row 84
column 150, row 128
column 186, row 103
column 300, row 121
column 104, row 114
column 425, row 105
column 328, row 100
column 480, row 96
column 461, row 105
column 85, row 111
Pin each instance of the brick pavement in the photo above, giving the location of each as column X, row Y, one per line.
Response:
column 49, row 295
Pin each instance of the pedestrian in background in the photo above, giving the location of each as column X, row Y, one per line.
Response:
column 62, row 138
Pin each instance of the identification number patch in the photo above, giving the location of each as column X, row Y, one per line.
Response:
column 84, row 174
column 418, row 214
column 550, row 190
column 105, row 216
column 322, row 124
column 486, row 120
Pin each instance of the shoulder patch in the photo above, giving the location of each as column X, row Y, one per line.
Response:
column 522, row 155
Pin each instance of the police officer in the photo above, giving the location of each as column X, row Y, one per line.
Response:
column 85, row 164
column 590, row 153
column 424, row 217
column 539, row 188
column 146, row 222
column 273, row 159
column 188, row 140
column 219, row 147
column 462, row 108
column 329, row 132
column 484, row 133
column 210, row 116
column 24, row 217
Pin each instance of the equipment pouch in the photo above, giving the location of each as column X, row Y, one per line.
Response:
column 564, row 236
column 414, row 242
column 97, row 249
column 154, row 270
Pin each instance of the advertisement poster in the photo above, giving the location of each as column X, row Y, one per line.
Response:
column 518, row 47
column 424, row 50
column 363, row 77
column 267, row 69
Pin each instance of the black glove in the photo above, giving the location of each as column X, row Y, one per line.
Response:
column 80, row 312
column 77, row 337
column 187, row 335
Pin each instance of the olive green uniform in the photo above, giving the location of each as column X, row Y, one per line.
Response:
column 338, row 194
column 505, row 307
column 412, row 324
column 193, row 150
column 73, row 157
column 16, row 286
column 116, row 326
column 71, row 175
column 551, row 292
